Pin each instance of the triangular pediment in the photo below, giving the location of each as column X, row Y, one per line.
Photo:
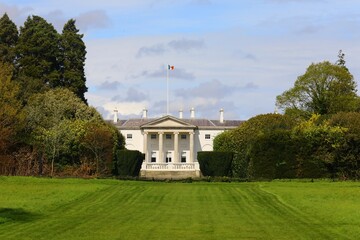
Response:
column 168, row 122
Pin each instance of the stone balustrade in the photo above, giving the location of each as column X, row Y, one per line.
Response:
column 170, row 166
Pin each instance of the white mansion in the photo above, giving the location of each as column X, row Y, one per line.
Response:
column 170, row 144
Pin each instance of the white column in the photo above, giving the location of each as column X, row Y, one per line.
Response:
column 161, row 148
column 191, row 135
column 146, row 146
column 176, row 147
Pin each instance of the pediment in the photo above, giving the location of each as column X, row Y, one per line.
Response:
column 168, row 122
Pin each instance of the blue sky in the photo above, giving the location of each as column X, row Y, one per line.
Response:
column 232, row 54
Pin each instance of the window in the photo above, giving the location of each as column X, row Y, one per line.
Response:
column 153, row 156
column 183, row 157
column 129, row 136
column 153, row 136
column 207, row 136
column 183, row 136
column 168, row 136
column 168, row 157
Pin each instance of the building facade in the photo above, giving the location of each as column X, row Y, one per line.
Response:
column 171, row 144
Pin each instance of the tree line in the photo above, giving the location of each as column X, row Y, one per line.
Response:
column 46, row 126
column 318, row 135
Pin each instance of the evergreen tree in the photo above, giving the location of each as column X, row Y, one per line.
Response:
column 8, row 39
column 73, row 60
column 38, row 56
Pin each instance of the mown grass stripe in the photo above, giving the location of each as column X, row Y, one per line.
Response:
column 147, row 210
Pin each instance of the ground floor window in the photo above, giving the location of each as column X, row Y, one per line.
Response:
column 153, row 156
column 183, row 157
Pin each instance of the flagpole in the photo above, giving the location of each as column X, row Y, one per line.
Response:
column 167, row 90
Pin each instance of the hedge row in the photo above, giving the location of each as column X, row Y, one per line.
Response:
column 215, row 163
column 128, row 163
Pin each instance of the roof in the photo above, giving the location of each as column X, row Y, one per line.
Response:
column 200, row 123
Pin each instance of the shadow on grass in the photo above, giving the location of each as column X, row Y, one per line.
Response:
column 17, row 215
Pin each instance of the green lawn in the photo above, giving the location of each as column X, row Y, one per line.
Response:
column 33, row 208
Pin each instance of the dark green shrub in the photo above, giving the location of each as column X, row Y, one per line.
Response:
column 239, row 140
column 272, row 155
column 215, row 163
column 129, row 162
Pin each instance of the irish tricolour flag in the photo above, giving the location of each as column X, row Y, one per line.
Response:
column 171, row 67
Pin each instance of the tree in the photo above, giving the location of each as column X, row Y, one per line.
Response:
column 325, row 88
column 318, row 144
column 341, row 59
column 73, row 60
column 55, row 123
column 10, row 109
column 38, row 56
column 98, row 142
column 8, row 39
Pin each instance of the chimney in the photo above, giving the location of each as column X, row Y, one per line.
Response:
column 192, row 113
column 276, row 110
column 180, row 113
column 115, row 115
column 221, row 115
column 144, row 113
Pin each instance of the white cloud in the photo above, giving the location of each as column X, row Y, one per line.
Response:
column 93, row 19
column 178, row 45
column 16, row 13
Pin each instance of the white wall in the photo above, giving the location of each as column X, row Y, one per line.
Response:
column 137, row 141
column 200, row 143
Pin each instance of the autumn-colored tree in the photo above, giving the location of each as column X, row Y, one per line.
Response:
column 98, row 143
column 10, row 109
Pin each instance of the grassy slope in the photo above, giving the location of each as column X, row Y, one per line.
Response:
column 109, row 209
column 334, row 203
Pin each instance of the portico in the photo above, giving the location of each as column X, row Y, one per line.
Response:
column 155, row 142
column 169, row 146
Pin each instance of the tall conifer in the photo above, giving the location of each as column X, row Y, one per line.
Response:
column 8, row 38
column 73, row 59
column 38, row 56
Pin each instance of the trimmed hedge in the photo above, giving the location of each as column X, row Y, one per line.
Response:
column 215, row 163
column 272, row 156
column 128, row 162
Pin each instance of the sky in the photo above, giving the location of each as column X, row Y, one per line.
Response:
column 236, row 55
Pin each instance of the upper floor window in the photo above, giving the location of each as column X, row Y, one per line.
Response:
column 168, row 136
column 153, row 136
column 129, row 136
column 183, row 136
column 207, row 136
